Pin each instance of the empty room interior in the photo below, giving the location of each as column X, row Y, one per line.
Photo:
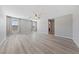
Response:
column 39, row 29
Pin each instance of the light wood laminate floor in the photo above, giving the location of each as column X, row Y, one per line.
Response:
column 37, row 43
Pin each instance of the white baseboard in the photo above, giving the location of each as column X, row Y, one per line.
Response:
column 63, row 36
column 2, row 41
column 76, row 42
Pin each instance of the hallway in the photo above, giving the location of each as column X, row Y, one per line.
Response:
column 37, row 43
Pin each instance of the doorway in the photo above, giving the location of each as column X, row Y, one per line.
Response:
column 19, row 26
column 12, row 25
column 51, row 26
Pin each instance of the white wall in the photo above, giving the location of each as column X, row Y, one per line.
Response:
column 76, row 25
column 42, row 26
column 63, row 26
column 45, row 12
column 2, row 26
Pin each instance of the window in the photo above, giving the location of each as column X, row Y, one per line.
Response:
column 15, row 22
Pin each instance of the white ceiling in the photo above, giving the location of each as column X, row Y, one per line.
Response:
column 45, row 11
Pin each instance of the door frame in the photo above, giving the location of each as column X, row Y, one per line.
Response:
column 51, row 26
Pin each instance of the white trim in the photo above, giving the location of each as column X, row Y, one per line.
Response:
column 2, row 41
column 63, row 36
